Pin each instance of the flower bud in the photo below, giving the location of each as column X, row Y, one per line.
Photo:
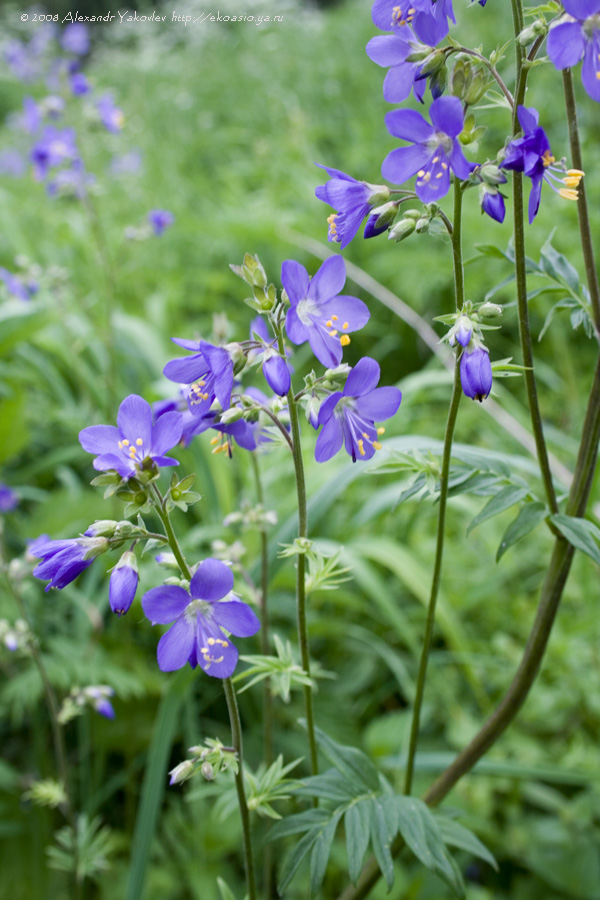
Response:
column 490, row 310
column 380, row 193
column 234, row 414
column 207, row 771
column 477, row 88
column 381, row 218
column 476, row 373
column 102, row 528
column 182, row 772
column 403, row 229
column 539, row 28
column 276, row 372
column 123, row 583
column 491, row 174
column 93, row 546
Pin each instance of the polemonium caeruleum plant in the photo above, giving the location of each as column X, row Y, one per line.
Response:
column 344, row 403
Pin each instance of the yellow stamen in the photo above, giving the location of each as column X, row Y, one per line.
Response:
column 126, row 443
column 215, row 440
column 211, row 641
column 439, row 174
column 573, row 172
column 569, row 194
column 345, row 340
column 548, row 159
column 572, row 182
column 420, row 173
column 139, row 442
column 361, row 448
column 435, row 159
column 203, row 649
column 444, row 165
column 381, row 430
column 377, row 445
column 346, row 325
column 334, row 318
column 365, row 435
column 332, row 333
column 329, row 323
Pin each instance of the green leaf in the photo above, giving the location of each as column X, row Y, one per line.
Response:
column 504, row 499
column 357, row 825
column 321, row 850
column 583, row 535
column 557, row 266
column 456, row 835
column 224, row 890
column 298, row 823
column 330, row 785
column 357, row 768
column 384, row 825
column 528, row 518
column 412, row 819
column 293, row 861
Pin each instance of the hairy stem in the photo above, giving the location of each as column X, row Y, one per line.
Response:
column 264, row 631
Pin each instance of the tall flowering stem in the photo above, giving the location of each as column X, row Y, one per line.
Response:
column 582, row 208
column 264, row 618
column 301, row 567
column 435, row 582
column 456, row 235
column 234, row 715
column 521, row 278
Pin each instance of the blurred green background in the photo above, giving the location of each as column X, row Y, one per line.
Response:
column 229, row 120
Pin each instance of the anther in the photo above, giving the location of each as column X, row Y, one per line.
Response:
column 334, row 318
column 332, row 333
column 346, row 325
column 377, row 445
column 344, row 340
column 139, row 442
column 381, row 430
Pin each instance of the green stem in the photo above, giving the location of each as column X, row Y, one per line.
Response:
column 582, row 208
column 264, row 631
column 172, row 539
column 300, row 578
column 234, row 715
column 456, row 235
column 301, row 565
column 236, row 737
column 521, row 283
column 435, row 583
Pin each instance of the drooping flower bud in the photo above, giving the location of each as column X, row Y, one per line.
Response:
column 123, row 583
column 276, row 372
column 476, row 373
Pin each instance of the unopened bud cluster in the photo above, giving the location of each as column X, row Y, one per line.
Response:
column 208, row 760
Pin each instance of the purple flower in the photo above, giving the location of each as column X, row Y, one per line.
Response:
column 160, row 219
column 476, row 373
column 318, row 313
column 461, row 332
column 12, row 163
column 64, row 560
column 578, row 37
column 435, row 152
column 97, row 696
column 71, row 182
column 209, row 372
column 427, row 18
column 55, row 147
column 531, row 155
column 352, row 201
column 348, row 416
column 32, row 116
column 135, row 443
column 16, row 286
column 9, row 499
column 126, row 163
column 492, row 203
column 79, row 84
column 110, row 115
column 392, row 50
column 123, row 583
column 274, row 367
column 75, row 39
column 199, row 618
